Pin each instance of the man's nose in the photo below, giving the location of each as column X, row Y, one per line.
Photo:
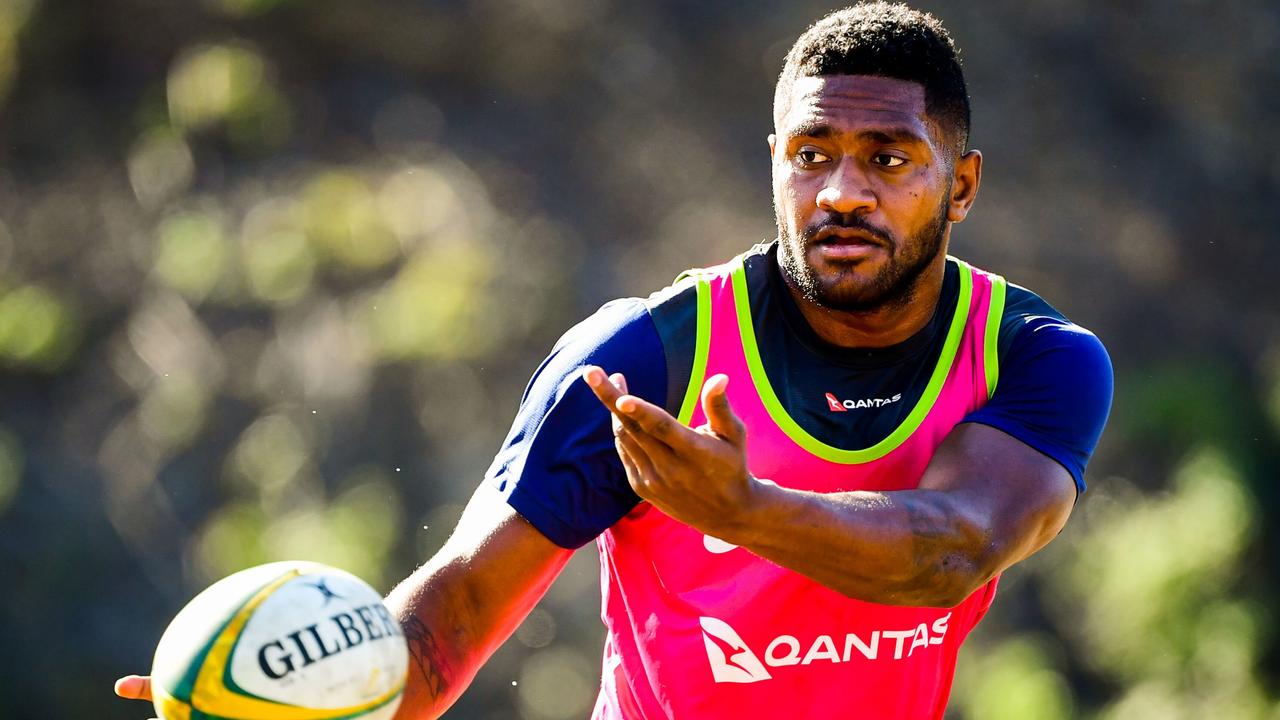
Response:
column 847, row 191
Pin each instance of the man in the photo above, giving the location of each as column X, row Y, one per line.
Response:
column 811, row 463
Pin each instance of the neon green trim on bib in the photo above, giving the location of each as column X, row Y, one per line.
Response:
column 701, row 349
column 990, row 355
column 798, row 434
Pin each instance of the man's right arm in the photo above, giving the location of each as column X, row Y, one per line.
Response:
column 556, row 483
column 468, row 599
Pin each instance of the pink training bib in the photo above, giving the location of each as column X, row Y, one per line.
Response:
column 700, row 629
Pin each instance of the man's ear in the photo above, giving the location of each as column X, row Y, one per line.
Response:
column 966, row 176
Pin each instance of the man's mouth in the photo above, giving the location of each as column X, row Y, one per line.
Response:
column 838, row 235
column 847, row 244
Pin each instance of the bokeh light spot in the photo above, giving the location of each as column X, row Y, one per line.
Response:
column 280, row 266
column 172, row 413
column 537, row 630
column 555, row 684
column 230, row 86
column 191, row 253
column 160, row 167
column 270, row 454
column 37, row 330
column 345, row 222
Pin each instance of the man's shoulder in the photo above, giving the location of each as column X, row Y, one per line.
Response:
column 1028, row 317
column 674, row 307
column 665, row 311
column 1055, row 382
column 611, row 322
column 671, row 310
column 1022, row 302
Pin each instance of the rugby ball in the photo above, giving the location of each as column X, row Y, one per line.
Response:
column 283, row 641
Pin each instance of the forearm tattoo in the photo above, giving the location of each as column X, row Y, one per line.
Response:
column 427, row 654
column 933, row 542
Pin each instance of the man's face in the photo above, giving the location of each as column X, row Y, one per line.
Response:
column 862, row 187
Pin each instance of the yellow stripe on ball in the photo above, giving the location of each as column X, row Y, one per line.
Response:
column 169, row 707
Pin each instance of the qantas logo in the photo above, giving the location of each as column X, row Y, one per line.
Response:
column 835, row 404
column 732, row 661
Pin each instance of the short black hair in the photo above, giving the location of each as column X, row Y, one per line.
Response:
column 889, row 40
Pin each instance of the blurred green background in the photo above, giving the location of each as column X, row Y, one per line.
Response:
column 273, row 275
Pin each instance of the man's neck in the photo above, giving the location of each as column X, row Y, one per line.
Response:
column 883, row 326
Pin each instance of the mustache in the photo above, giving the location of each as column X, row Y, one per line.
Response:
column 848, row 221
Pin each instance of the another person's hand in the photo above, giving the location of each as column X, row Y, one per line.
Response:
column 134, row 687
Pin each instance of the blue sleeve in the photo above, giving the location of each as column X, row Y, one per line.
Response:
column 558, row 466
column 1053, row 393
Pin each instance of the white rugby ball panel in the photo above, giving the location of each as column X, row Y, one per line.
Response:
column 323, row 640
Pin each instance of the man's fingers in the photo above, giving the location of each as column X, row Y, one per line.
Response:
column 657, row 452
column 629, row 464
column 654, row 421
column 134, row 687
column 603, row 386
column 619, row 381
column 610, row 390
column 636, row 415
column 637, row 463
column 598, row 381
column 720, row 417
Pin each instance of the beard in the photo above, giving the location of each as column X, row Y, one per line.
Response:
column 893, row 286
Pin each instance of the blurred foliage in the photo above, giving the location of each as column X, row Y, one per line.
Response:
column 1149, row 596
column 273, row 275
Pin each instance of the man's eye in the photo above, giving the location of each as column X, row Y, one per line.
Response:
column 886, row 160
column 810, row 157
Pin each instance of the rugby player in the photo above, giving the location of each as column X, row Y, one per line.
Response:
column 807, row 467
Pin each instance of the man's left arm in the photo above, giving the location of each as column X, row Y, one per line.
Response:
column 986, row 501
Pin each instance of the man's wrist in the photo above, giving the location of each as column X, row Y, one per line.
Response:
column 751, row 522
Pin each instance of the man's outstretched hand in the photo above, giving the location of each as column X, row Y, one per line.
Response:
column 696, row 475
